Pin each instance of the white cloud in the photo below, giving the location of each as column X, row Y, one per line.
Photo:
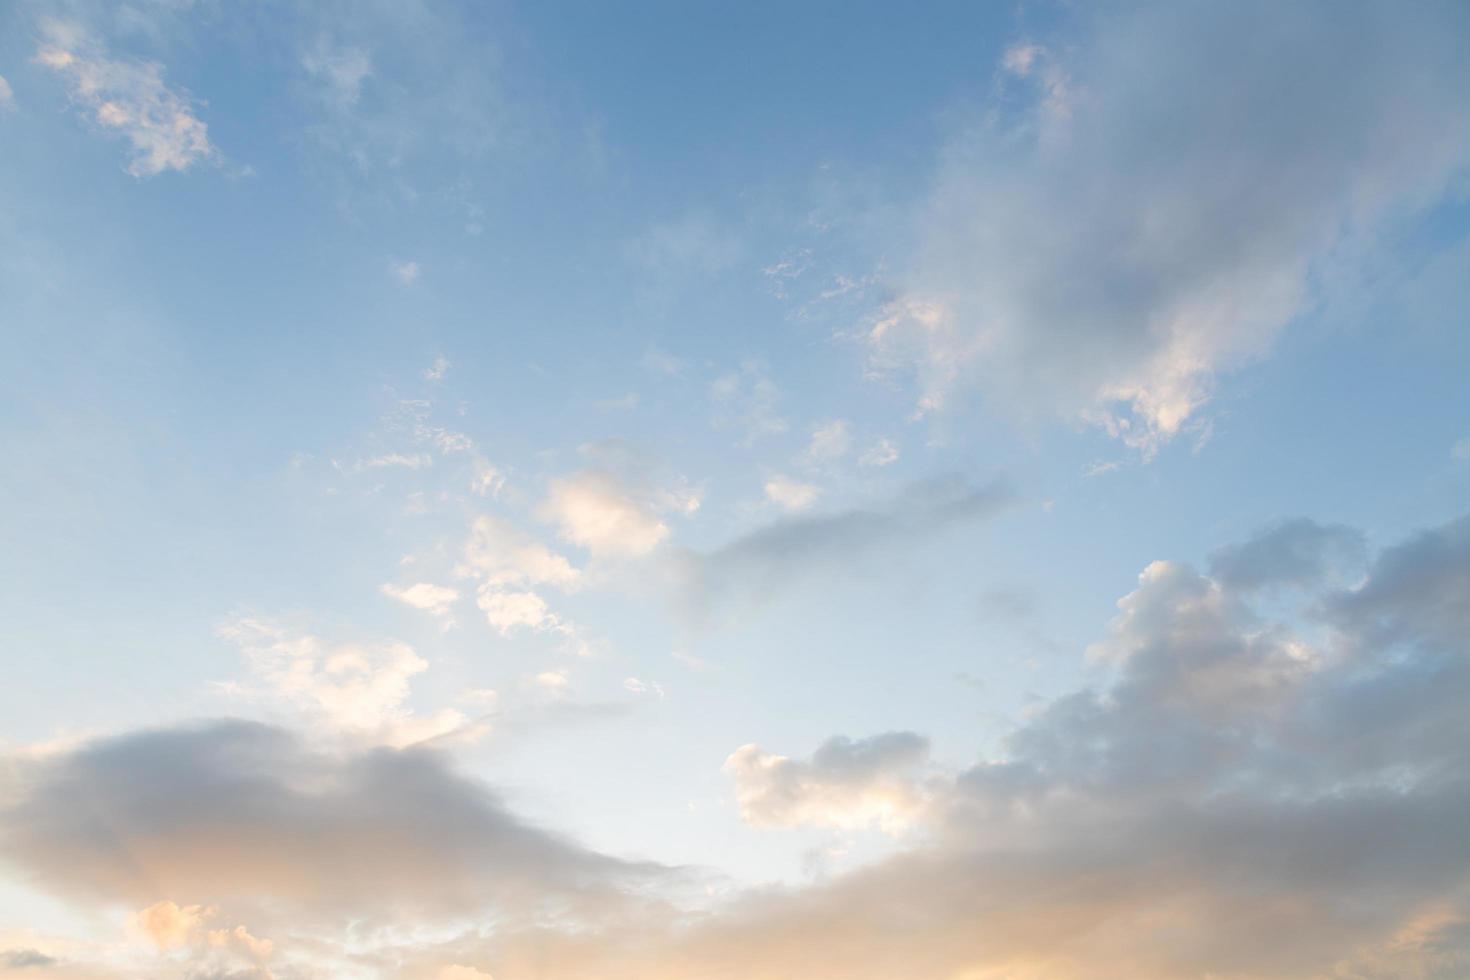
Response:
column 435, row 599
column 791, row 494
column 1173, row 192
column 7, row 95
column 881, row 453
column 509, row 611
column 406, row 273
column 635, row 686
column 354, row 690
column 830, row 441
column 847, row 784
column 1461, row 450
column 437, row 370
column 502, row 555
column 128, row 97
column 169, row 925
column 487, row 480
column 599, row 512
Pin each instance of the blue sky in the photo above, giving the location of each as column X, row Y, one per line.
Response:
column 738, row 468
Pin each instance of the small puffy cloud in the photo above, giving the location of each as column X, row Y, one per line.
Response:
column 1299, row 553
column 552, row 680
column 791, row 494
column 1460, row 451
column 502, row 555
column 7, row 95
column 884, row 452
column 406, row 273
column 486, row 480
column 437, row 370
column 830, row 441
column 435, row 599
column 170, row 925
column 635, row 686
column 508, row 611
column 614, row 511
column 355, row 690
column 847, row 783
column 128, row 97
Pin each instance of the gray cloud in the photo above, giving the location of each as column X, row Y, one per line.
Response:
column 1297, row 552
column 241, row 815
column 1239, row 800
column 20, row 959
column 754, row 568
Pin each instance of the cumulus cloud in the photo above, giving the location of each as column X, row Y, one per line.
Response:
column 435, row 599
column 616, row 508
column 128, row 97
column 358, row 690
column 791, row 494
column 847, row 783
column 1298, row 552
column 249, row 818
column 757, row 566
column 1158, row 195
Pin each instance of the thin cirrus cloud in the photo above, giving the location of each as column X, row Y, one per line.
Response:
column 1167, row 197
column 128, row 97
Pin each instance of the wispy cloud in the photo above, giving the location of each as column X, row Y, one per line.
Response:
column 128, row 97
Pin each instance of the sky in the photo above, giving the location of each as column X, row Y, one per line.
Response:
column 702, row 491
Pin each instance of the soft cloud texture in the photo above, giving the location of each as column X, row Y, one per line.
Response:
column 1166, row 197
column 847, row 783
column 753, row 568
column 250, row 819
column 129, row 97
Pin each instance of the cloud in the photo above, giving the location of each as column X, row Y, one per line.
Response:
column 747, row 400
column 457, row 972
column 169, row 925
column 847, row 783
column 830, row 441
column 791, row 494
column 1231, row 800
column 250, row 818
column 509, row 611
column 763, row 563
column 21, row 959
column 128, row 97
column 354, row 690
column 1299, row 553
column 881, row 453
column 1156, row 196
column 7, row 95
column 615, row 509
column 437, row 370
column 406, row 273
column 503, row 555
column 435, row 599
